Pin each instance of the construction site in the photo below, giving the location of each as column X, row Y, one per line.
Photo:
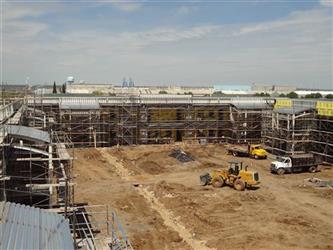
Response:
column 125, row 171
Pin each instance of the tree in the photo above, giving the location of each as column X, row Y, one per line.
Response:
column 329, row 96
column 262, row 94
column 218, row 93
column 54, row 88
column 163, row 92
column 63, row 88
column 188, row 93
column 282, row 95
column 292, row 95
column 314, row 95
column 97, row 93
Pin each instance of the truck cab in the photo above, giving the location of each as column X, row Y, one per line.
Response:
column 281, row 165
column 257, row 151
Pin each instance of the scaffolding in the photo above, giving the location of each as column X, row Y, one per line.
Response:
column 288, row 127
column 36, row 173
column 97, row 226
column 37, row 159
column 298, row 128
column 36, row 169
column 127, row 123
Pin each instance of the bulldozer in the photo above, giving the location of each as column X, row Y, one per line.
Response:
column 235, row 176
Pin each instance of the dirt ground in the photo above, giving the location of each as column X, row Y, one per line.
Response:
column 162, row 205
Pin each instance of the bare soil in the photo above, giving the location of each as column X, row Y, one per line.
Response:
column 162, row 205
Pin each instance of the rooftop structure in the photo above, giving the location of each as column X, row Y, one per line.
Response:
column 271, row 88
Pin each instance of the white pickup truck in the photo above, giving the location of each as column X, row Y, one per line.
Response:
column 295, row 163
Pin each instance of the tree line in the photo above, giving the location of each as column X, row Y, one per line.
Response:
column 294, row 95
column 62, row 89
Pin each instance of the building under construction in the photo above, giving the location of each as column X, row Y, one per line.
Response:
column 285, row 126
column 100, row 122
column 38, row 135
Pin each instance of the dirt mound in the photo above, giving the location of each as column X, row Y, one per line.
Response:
column 163, row 186
column 92, row 154
column 151, row 167
column 90, row 165
column 295, row 221
column 207, row 165
column 228, row 205
column 203, row 151
column 255, row 197
column 327, row 194
column 281, row 214
column 144, row 159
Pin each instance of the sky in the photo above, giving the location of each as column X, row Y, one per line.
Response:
column 199, row 43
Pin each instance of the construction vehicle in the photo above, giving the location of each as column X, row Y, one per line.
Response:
column 295, row 163
column 235, row 176
column 253, row 150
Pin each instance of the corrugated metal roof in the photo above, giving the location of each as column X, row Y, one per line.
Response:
column 24, row 227
column 27, row 132
column 82, row 103
column 251, row 105
column 83, row 106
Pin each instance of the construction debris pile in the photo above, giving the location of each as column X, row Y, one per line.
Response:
column 319, row 183
column 181, row 156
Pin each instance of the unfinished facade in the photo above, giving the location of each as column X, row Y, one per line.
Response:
column 36, row 171
column 300, row 126
column 100, row 122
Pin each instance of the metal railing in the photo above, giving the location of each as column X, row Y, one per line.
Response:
column 99, row 224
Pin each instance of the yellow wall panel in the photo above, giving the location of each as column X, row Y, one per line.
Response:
column 283, row 103
column 325, row 108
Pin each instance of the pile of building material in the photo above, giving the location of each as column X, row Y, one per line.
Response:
column 320, row 183
column 181, row 156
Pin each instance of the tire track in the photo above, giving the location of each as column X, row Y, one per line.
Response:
column 168, row 218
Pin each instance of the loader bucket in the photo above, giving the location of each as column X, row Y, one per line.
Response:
column 205, row 179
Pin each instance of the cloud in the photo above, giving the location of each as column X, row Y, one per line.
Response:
column 16, row 11
column 17, row 23
column 20, row 12
column 126, row 6
column 161, row 35
column 326, row 3
column 294, row 20
column 127, row 42
column 24, row 29
column 293, row 49
column 186, row 10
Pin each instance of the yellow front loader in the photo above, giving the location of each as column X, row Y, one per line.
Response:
column 235, row 176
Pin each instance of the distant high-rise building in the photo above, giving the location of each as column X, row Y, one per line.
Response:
column 131, row 83
column 125, row 84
